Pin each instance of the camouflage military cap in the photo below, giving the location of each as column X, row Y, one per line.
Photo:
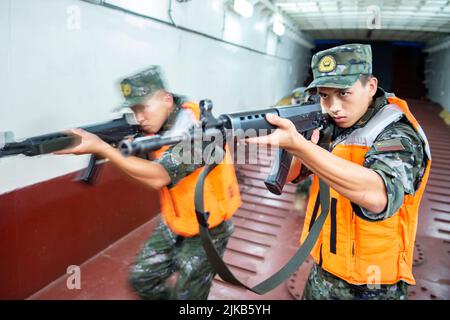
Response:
column 299, row 94
column 137, row 86
column 340, row 67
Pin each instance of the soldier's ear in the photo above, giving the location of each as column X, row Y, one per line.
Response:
column 168, row 98
column 372, row 85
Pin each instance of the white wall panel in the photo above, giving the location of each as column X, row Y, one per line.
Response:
column 62, row 60
column 437, row 75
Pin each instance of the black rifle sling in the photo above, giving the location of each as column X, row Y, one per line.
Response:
column 291, row 266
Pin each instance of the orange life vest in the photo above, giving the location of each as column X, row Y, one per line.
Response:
column 361, row 251
column 222, row 196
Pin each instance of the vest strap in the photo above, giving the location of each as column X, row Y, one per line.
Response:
column 315, row 211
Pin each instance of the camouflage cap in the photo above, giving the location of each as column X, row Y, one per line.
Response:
column 340, row 67
column 137, row 86
column 299, row 94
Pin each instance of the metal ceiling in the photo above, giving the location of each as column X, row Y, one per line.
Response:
column 407, row 20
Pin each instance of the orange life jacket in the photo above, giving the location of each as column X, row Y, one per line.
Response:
column 361, row 251
column 221, row 194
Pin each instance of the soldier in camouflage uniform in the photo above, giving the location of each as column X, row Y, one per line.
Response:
column 297, row 96
column 169, row 265
column 397, row 156
column 401, row 171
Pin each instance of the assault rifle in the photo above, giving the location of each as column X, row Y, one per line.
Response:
column 306, row 117
column 111, row 132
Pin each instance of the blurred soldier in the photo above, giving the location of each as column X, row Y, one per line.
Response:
column 297, row 96
column 172, row 264
column 376, row 165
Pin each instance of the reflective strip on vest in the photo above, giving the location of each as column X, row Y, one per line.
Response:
column 366, row 135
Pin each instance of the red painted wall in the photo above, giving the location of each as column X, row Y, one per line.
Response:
column 46, row 227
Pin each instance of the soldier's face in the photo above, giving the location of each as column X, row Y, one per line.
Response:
column 347, row 106
column 153, row 111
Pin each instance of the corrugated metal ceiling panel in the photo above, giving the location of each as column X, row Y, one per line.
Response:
column 414, row 20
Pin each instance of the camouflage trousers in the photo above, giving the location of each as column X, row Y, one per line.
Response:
column 172, row 267
column 322, row 285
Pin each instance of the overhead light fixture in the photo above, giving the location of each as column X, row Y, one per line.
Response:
column 278, row 27
column 243, row 7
